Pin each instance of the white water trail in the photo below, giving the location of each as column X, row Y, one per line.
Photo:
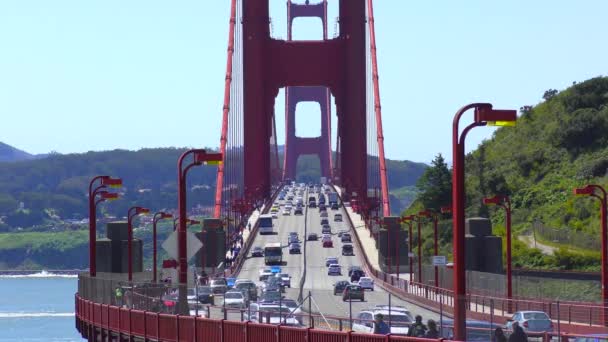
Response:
column 42, row 274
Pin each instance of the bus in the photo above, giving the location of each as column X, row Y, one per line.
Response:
column 273, row 253
column 266, row 225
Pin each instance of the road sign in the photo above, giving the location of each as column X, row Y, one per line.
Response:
column 193, row 244
column 439, row 260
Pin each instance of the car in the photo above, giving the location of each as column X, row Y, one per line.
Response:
column 264, row 273
column 270, row 296
column 205, row 295
column 298, row 211
column 285, row 279
column 335, row 206
column 286, row 212
column 338, row 217
column 399, row 321
column 312, row 237
column 342, row 232
column 230, row 282
column 293, row 306
column 234, row 299
column 326, row 229
column 531, row 321
column 351, row 269
column 347, row 249
column 322, row 207
column 323, row 214
column 356, row 275
column 324, row 221
column 340, row 286
column 312, row 204
column 346, row 237
column 293, row 234
column 272, row 313
column 274, row 215
column 330, row 261
column 294, row 248
column 247, row 286
column 366, row 283
column 218, row 285
column 328, row 243
column 257, row 251
column 292, row 239
column 353, row 292
column 273, row 284
column 275, row 269
column 334, row 269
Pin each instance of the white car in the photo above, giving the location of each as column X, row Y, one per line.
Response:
column 285, row 279
column 270, row 314
column 366, row 283
column 265, row 273
column 399, row 321
column 286, row 212
column 334, row 269
column 234, row 299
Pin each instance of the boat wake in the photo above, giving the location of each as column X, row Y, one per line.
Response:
column 42, row 274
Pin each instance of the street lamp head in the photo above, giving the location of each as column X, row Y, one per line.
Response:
column 492, row 200
column 495, row 117
column 424, row 213
column 140, row 210
column 202, row 157
column 108, row 196
column 446, row 210
column 111, row 182
column 587, row 190
column 408, row 218
column 191, row 222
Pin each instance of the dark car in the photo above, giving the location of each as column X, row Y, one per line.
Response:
column 322, row 207
column 324, row 221
column 321, row 200
column 205, row 295
column 326, row 229
column 257, row 252
column 249, row 289
column 351, row 269
column 273, row 284
column 335, row 206
column 347, row 250
column 356, row 275
column 312, row 237
column 294, row 248
column 353, row 292
column 292, row 239
column 346, row 237
column 340, row 286
column 298, row 211
column 271, row 296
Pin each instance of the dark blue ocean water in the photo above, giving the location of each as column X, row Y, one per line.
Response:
column 37, row 307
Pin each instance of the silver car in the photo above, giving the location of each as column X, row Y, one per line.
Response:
column 535, row 321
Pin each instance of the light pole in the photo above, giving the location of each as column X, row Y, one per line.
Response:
column 435, row 217
column 104, row 182
column 590, row 190
column 408, row 219
column 157, row 217
column 200, row 157
column 444, row 210
column 484, row 115
column 133, row 211
column 505, row 203
column 421, row 214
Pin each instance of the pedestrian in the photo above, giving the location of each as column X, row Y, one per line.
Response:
column 518, row 334
column 380, row 327
column 432, row 332
column 499, row 335
column 249, row 226
column 417, row 329
column 118, row 294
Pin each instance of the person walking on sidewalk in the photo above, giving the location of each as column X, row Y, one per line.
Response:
column 380, row 327
column 518, row 334
column 418, row 329
column 432, row 332
column 499, row 335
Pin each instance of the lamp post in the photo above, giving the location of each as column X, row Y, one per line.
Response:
column 444, row 210
column 421, row 214
column 133, row 211
column 189, row 222
column 435, row 217
column 103, row 183
column 200, row 157
column 157, row 217
column 484, row 115
column 505, row 203
column 590, row 190
column 408, row 219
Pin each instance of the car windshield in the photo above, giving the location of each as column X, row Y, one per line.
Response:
column 271, row 296
column 284, row 275
column 245, row 285
column 234, row 295
column 535, row 315
column 295, row 245
column 273, row 252
column 204, row 290
column 399, row 319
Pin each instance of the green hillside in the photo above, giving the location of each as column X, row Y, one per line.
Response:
column 557, row 145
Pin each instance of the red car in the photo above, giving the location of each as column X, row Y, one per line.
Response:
column 328, row 243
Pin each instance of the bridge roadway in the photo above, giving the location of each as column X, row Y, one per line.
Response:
column 317, row 281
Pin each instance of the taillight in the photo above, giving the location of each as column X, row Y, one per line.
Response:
column 525, row 324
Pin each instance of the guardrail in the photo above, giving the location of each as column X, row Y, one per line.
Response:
column 582, row 318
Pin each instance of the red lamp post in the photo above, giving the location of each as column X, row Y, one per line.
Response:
column 133, row 211
column 408, row 219
column 424, row 213
column 484, row 115
column 435, row 218
column 157, row 217
column 189, row 222
column 505, row 203
column 590, row 190
column 444, row 210
column 104, row 182
column 200, row 157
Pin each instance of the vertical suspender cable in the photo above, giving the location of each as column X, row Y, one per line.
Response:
column 380, row 136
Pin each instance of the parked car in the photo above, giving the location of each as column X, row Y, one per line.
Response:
column 352, row 292
column 257, row 251
column 334, row 269
column 294, row 248
column 534, row 321
column 366, row 283
column 234, row 299
column 312, row 237
column 347, row 249
column 340, row 286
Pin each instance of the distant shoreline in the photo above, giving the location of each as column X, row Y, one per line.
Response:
column 28, row 272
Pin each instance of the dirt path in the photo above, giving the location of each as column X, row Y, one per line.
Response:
column 529, row 241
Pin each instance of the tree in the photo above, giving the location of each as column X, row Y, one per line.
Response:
column 435, row 184
column 549, row 94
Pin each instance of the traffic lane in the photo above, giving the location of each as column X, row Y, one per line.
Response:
column 321, row 284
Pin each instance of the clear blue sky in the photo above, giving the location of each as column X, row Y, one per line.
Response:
column 145, row 67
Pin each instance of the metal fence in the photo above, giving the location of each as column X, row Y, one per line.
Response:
column 566, row 236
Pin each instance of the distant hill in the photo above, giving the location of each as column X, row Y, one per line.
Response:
column 11, row 154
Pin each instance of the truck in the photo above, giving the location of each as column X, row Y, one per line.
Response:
column 266, row 225
column 332, row 198
column 273, row 253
